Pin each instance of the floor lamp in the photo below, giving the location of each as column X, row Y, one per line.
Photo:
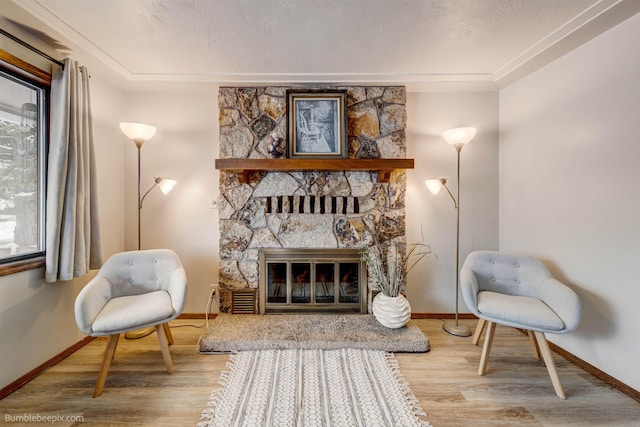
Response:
column 458, row 137
column 140, row 133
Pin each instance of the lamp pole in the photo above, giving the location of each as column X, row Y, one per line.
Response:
column 140, row 333
column 456, row 328
column 139, row 145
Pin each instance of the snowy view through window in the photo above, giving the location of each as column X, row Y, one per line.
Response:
column 20, row 192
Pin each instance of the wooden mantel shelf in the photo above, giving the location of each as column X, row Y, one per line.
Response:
column 243, row 167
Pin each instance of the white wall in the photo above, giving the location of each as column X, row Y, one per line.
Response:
column 431, row 285
column 569, row 174
column 36, row 318
column 184, row 149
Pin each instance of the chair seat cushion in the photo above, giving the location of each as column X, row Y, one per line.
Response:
column 519, row 311
column 132, row 312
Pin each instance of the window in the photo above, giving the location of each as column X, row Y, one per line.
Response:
column 23, row 113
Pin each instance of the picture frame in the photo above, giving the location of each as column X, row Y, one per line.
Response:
column 317, row 123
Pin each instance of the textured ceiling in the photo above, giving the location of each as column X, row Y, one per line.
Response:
column 317, row 40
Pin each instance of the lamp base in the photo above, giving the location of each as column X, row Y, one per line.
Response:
column 139, row 333
column 456, row 329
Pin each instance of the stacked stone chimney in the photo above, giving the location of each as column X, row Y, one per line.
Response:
column 306, row 209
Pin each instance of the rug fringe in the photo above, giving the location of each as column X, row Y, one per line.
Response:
column 214, row 398
column 224, row 375
column 405, row 387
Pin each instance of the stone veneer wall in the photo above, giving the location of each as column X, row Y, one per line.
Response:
column 249, row 218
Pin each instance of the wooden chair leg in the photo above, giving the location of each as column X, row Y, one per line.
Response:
column 486, row 349
column 478, row 331
column 106, row 362
column 551, row 366
column 164, row 348
column 534, row 345
column 115, row 347
column 167, row 332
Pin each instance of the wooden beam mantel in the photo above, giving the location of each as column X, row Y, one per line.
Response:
column 244, row 167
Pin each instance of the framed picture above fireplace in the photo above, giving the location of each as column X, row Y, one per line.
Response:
column 316, row 123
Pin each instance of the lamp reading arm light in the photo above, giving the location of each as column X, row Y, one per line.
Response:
column 435, row 185
column 166, row 185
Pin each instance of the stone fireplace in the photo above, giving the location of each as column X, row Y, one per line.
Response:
column 306, row 209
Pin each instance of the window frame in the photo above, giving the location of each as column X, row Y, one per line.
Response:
column 38, row 77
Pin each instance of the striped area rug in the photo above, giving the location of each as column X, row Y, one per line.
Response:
column 346, row 387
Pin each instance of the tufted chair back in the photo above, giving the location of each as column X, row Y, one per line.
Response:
column 507, row 274
column 140, row 272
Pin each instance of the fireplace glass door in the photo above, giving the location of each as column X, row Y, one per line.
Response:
column 325, row 283
column 349, row 282
column 277, row 282
column 300, row 282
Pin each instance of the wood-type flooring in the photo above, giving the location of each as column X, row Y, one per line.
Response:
column 516, row 391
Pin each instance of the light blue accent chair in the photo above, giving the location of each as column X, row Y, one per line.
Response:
column 133, row 290
column 518, row 291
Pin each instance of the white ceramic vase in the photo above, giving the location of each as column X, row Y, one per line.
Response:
column 392, row 312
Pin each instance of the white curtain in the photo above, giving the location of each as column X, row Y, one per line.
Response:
column 73, row 242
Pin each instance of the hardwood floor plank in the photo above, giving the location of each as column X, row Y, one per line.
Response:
column 515, row 391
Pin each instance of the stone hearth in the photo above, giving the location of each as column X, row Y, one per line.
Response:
column 306, row 209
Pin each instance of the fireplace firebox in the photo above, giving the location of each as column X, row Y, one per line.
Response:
column 312, row 280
